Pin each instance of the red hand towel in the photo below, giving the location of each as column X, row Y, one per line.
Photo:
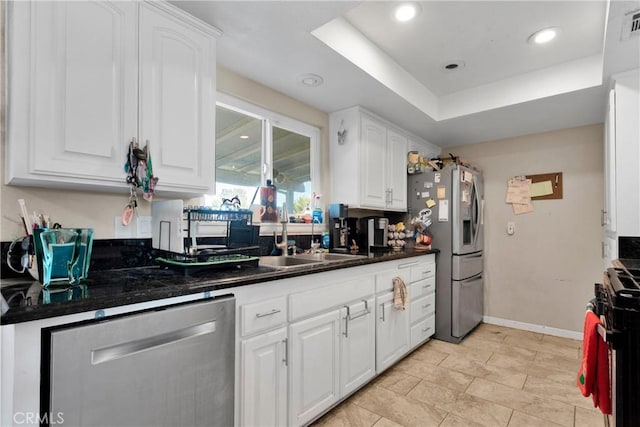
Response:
column 593, row 376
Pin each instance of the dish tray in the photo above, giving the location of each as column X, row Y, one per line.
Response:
column 211, row 259
column 218, row 263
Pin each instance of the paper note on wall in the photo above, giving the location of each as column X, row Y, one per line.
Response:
column 543, row 188
column 518, row 191
column 522, row 209
column 430, row 203
column 443, row 210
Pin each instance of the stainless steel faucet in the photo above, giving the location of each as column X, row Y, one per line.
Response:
column 284, row 242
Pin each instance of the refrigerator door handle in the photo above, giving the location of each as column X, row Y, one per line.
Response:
column 470, row 280
column 473, row 255
column 476, row 213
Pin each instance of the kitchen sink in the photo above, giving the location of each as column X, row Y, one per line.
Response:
column 304, row 260
column 328, row 257
column 286, row 262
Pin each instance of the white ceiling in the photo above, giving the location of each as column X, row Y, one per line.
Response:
column 507, row 87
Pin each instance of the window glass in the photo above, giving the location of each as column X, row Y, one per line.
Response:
column 238, row 156
column 292, row 169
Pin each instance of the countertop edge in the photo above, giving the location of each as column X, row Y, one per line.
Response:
column 40, row 312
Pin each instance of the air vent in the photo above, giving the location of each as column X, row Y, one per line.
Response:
column 631, row 25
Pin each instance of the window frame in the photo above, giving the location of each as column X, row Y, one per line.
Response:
column 269, row 120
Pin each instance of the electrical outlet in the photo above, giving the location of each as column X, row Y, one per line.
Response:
column 511, row 228
column 121, row 231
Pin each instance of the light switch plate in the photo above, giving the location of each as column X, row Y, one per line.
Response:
column 511, row 228
column 143, row 227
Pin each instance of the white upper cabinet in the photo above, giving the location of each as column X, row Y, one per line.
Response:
column 368, row 166
column 72, row 92
column 397, row 171
column 85, row 78
column 177, row 98
column 621, row 215
column 373, row 164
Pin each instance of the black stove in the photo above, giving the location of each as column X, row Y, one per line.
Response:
column 618, row 301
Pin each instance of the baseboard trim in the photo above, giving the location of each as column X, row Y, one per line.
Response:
column 541, row 329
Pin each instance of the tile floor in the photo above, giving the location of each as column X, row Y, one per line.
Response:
column 496, row 377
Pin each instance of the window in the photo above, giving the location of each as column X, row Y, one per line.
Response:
column 254, row 145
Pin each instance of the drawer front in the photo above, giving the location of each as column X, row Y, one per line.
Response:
column 422, row 288
column 422, row 307
column 423, row 330
column 384, row 280
column 423, row 271
column 263, row 315
column 318, row 300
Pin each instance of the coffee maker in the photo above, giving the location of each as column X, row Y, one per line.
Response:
column 373, row 230
column 342, row 229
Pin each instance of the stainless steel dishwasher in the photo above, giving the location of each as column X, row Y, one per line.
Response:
column 171, row 366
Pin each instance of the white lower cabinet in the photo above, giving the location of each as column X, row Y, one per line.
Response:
column 422, row 293
column 358, row 346
column 392, row 332
column 315, row 367
column 264, row 370
column 263, row 363
column 305, row 344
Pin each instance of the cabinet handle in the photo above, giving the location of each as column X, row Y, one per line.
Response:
column 274, row 311
column 424, row 273
column 346, row 323
column 407, row 264
column 426, row 286
column 382, row 318
column 426, row 330
column 285, row 359
column 362, row 313
column 426, row 306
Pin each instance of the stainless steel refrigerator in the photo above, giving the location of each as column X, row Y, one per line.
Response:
column 452, row 199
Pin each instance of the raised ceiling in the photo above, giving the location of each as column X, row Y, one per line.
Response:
column 506, row 88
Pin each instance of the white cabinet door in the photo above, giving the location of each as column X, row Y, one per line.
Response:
column 621, row 213
column 392, row 332
column 373, row 164
column 314, row 366
column 397, row 170
column 73, row 87
column 177, row 100
column 264, row 380
column 357, row 355
column 609, row 214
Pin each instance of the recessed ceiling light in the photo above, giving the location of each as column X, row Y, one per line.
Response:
column 311, row 80
column 543, row 36
column 406, row 12
column 244, row 136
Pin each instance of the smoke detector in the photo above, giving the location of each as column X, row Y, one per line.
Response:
column 311, row 80
column 630, row 25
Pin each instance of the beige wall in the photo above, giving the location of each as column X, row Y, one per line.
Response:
column 544, row 273
column 98, row 210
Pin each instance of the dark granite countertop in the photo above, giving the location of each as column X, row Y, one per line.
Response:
column 114, row 288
